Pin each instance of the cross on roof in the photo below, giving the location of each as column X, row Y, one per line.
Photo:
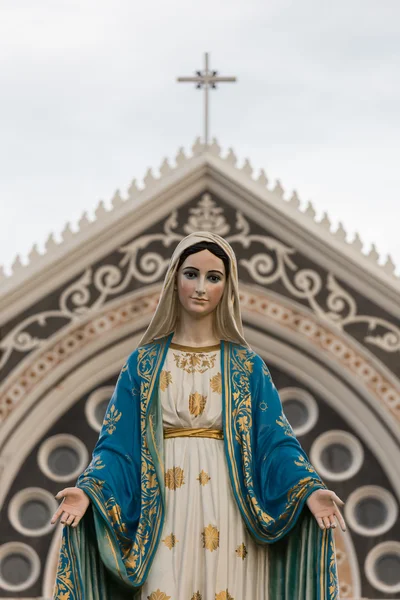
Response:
column 206, row 79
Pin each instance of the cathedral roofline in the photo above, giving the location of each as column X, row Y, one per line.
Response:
column 56, row 259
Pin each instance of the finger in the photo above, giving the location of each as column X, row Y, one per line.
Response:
column 64, row 517
column 340, row 519
column 320, row 523
column 332, row 521
column 56, row 515
column 76, row 521
column 61, row 494
column 327, row 522
column 70, row 520
column 336, row 499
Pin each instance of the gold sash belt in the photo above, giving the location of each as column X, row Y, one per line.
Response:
column 173, row 432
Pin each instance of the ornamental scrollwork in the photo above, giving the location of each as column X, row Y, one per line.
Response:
column 274, row 263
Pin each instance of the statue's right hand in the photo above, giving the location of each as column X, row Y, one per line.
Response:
column 73, row 506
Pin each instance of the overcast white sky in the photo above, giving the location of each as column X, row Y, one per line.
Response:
column 88, row 100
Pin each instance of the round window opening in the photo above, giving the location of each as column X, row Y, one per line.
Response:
column 371, row 512
column 15, row 569
column 34, row 514
column 300, row 408
column 337, row 455
column 19, row 566
column 63, row 457
column 336, row 458
column 296, row 413
column 63, row 460
column 30, row 511
column 387, row 569
column 382, row 567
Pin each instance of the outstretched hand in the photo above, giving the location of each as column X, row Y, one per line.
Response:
column 73, row 506
column 324, row 506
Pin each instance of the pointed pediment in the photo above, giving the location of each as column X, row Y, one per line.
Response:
column 204, row 169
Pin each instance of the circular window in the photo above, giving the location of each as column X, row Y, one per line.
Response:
column 62, row 457
column 371, row 510
column 96, row 406
column 382, row 567
column 30, row 511
column 19, row 566
column 300, row 409
column 337, row 455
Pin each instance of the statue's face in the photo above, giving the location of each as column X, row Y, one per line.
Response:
column 201, row 276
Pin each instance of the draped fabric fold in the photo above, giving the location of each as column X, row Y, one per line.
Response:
column 110, row 553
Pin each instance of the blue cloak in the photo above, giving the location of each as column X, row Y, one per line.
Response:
column 109, row 554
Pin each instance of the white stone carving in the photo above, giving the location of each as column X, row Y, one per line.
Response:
column 116, row 200
column 28, row 495
column 151, row 182
column 133, row 190
column 93, row 289
column 262, row 178
column 384, row 549
column 55, row 352
column 30, row 555
column 343, row 438
column 371, row 492
column 62, row 440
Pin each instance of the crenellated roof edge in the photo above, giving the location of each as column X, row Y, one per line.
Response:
column 383, row 267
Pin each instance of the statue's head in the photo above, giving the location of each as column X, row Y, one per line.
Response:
column 200, row 278
column 202, row 265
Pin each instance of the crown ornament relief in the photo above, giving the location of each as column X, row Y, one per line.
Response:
column 69, row 237
column 207, row 216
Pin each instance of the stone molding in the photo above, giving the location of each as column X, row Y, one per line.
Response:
column 351, row 358
column 97, row 286
column 72, row 238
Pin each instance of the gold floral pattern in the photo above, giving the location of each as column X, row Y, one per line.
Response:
column 333, row 578
column 224, row 595
column 192, row 362
column 114, row 512
column 174, row 478
column 302, row 462
column 158, row 595
column 149, row 360
column 203, row 477
column 165, row 379
column 111, row 419
column 284, row 423
column 216, row 383
column 210, row 536
column 241, row 551
column 170, row 541
column 266, row 372
column 95, row 465
column 63, row 582
column 196, row 596
column 197, row 404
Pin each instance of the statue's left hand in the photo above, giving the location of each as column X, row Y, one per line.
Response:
column 324, row 506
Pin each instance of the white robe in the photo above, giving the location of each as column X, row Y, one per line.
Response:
column 205, row 552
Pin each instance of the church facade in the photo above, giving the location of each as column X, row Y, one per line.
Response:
column 324, row 317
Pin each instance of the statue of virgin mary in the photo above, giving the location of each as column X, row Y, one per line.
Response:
column 198, row 488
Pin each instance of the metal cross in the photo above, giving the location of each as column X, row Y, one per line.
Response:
column 206, row 79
